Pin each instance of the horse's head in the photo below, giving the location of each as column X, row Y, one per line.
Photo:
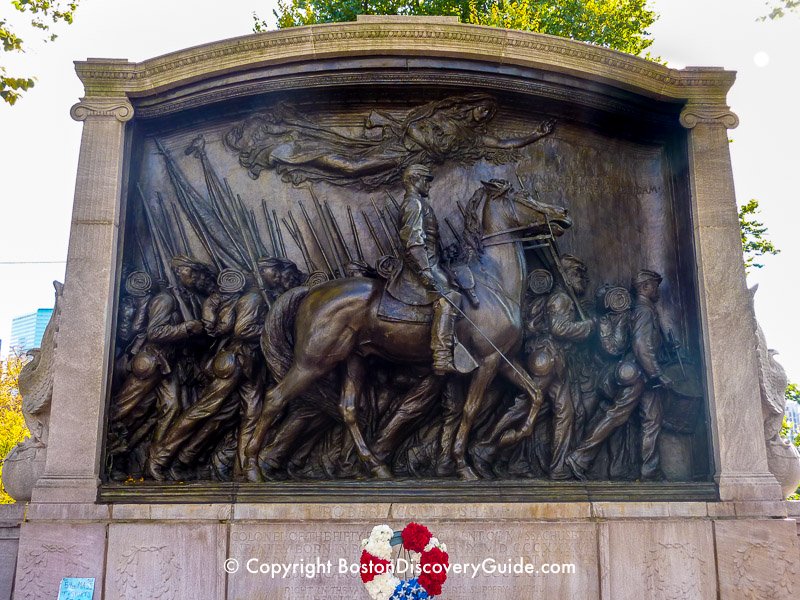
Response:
column 507, row 209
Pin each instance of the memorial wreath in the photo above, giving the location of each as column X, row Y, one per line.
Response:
column 428, row 556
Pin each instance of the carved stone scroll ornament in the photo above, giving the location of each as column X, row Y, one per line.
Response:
column 25, row 463
column 713, row 113
column 119, row 108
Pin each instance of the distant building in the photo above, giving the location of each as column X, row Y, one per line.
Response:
column 27, row 330
column 793, row 416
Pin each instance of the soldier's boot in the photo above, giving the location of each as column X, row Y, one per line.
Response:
column 442, row 328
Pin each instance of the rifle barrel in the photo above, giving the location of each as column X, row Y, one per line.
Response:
column 338, row 233
column 373, row 234
column 316, row 239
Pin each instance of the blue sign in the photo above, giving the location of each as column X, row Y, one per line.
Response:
column 76, row 588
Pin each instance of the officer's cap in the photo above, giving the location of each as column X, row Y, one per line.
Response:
column 419, row 171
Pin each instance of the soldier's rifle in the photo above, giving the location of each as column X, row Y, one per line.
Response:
column 338, row 232
column 555, row 256
column 160, row 244
column 373, row 233
column 294, row 231
column 385, row 227
column 326, row 229
column 354, row 231
column 272, row 236
column 278, row 232
column 242, row 215
column 316, row 239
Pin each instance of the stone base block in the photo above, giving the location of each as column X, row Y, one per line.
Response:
column 11, row 516
column 758, row 559
column 165, row 560
column 48, row 552
column 597, row 551
column 658, row 559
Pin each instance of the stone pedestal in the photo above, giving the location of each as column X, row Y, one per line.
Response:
column 608, row 551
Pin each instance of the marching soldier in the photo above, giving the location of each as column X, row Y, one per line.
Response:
column 641, row 385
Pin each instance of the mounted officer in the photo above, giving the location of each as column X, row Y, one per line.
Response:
column 421, row 280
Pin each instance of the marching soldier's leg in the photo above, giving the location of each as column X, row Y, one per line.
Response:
column 651, row 427
column 563, row 428
column 251, row 392
column 164, row 450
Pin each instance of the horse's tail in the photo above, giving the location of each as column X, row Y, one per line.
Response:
column 277, row 339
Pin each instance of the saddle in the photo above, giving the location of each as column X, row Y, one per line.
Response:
column 392, row 309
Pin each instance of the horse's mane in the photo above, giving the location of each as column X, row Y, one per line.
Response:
column 473, row 221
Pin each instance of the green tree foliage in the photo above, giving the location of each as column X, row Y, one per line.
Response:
column 42, row 16
column 12, row 424
column 618, row 24
column 755, row 242
column 793, row 392
column 779, row 9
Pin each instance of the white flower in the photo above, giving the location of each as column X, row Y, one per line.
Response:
column 382, row 587
column 378, row 543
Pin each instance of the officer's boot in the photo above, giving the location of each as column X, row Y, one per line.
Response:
column 444, row 317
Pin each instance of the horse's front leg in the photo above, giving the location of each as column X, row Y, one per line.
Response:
column 481, row 379
column 520, row 378
column 351, row 392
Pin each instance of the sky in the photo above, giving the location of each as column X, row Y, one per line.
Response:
column 39, row 143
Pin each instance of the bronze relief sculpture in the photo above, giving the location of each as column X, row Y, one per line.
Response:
column 320, row 334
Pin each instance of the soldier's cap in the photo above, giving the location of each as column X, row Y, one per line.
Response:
column 569, row 260
column 646, row 275
column 420, row 170
column 275, row 262
column 184, row 261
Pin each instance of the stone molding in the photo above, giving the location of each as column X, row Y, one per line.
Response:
column 119, row 108
column 712, row 114
column 387, row 36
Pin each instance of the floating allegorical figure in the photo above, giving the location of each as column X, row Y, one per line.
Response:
column 648, row 345
column 300, row 150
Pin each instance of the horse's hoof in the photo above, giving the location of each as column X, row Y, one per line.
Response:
column 252, row 473
column 381, row 472
column 482, row 459
column 467, row 474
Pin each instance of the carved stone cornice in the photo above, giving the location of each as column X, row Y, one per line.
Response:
column 715, row 114
column 409, row 37
column 118, row 108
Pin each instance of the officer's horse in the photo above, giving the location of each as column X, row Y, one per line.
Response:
column 337, row 323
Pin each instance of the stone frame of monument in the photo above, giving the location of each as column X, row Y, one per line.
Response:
column 681, row 525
